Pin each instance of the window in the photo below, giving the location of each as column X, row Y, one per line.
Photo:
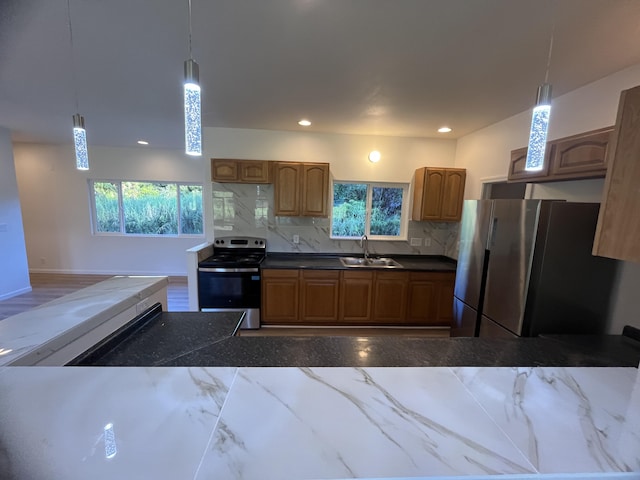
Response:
column 372, row 209
column 147, row 208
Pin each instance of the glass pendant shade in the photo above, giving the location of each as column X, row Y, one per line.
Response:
column 80, row 142
column 539, row 129
column 192, row 115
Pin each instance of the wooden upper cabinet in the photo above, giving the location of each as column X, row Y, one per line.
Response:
column 584, row 154
column 438, row 194
column 453, row 195
column 618, row 230
column 287, row 180
column 315, row 189
column 223, row 170
column 518, row 162
column 301, row 189
column 571, row 158
column 239, row 171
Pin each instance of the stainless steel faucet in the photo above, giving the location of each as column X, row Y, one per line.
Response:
column 364, row 243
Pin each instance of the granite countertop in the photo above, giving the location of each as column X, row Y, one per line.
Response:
column 332, row 262
column 207, row 339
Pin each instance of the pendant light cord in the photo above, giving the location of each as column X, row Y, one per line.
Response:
column 553, row 31
column 546, row 75
column 190, row 56
column 73, row 66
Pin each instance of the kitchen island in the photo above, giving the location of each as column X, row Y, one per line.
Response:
column 323, row 407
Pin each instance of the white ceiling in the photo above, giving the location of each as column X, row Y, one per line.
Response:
column 380, row 67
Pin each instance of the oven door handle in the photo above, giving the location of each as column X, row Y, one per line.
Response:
column 228, row 270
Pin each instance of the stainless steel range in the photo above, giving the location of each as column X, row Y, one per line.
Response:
column 229, row 280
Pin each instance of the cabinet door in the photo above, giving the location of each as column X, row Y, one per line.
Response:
column 422, row 302
column 224, row 170
column 287, row 181
column 390, row 297
column 584, row 155
column 315, row 189
column 453, row 194
column 618, row 230
column 356, row 289
column 279, row 296
column 446, row 286
column 319, row 290
column 254, row 171
column 434, row 181
column 517, row 173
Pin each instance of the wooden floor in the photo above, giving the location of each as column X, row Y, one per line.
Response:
column 49, row 286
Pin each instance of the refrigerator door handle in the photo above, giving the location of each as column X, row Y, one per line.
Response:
column 492, row 232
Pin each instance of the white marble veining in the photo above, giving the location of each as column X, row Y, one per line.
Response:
column 296, row 423
column 351, row 422
column 52, row 421
column 72, row 315
column 563, row 419
column 247, row 210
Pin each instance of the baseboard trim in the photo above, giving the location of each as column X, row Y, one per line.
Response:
column 15, row 293
column 107, row 272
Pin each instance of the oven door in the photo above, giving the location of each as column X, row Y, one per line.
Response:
column 229, row 288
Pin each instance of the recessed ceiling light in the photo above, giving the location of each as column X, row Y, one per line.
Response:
column 444, row 130
column 374, row 156
column 304, row 123
column 143, row 142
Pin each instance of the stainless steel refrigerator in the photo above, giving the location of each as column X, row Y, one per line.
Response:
column 525, row 268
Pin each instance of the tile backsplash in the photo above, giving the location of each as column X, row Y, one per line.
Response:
column 247, row 210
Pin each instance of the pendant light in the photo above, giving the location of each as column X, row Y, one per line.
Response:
column 540, row 122
column 192, row 113
column 79, row 132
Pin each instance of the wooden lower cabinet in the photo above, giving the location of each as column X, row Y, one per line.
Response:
column 356, row 290
column 390, row 298
column 422, row 302
column 319, row 292
column 357, row 297
column 280, row 291
column 446, row 285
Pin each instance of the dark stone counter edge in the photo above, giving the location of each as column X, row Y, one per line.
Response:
column 322, row 261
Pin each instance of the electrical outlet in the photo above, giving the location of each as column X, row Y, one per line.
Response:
column 296, row 239
column 416, row 242
column 427, row 241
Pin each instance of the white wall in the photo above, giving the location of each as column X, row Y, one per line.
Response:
column 485, row 154
column 55, row 196
column 14, row 272
column 55, row 201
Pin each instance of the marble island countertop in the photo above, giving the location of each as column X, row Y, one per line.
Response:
column 301, row 423
column 53, row 325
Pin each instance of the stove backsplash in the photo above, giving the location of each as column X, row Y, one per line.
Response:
column 243, row 209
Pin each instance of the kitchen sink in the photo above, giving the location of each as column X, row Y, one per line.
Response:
column 379, row 262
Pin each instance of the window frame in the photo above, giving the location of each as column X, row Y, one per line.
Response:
column 404, row 211
column 122, row 233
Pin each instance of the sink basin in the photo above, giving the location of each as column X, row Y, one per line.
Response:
column 380, row 262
